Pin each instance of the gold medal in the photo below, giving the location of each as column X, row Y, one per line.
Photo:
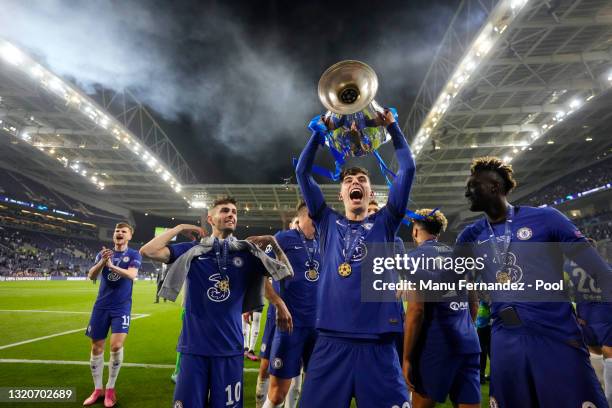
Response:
column 312, row 274
column 223, row 285
column 502, row 277
column 345, row 269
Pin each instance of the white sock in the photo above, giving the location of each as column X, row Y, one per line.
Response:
column 114, row 365
column 293, row 395
column 254, row 330
column 261, row 390
column 597, row 363
column 269, row 404
column 245, row 333
column 608, row 379
column 96, row 363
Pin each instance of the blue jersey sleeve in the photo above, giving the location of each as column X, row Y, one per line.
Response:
column 136, row 260
column 98, row 257
column 400, row 189
column 577, row 249
column 313, row 196
column 177, row 250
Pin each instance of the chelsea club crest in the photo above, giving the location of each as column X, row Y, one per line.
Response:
column 524, row 233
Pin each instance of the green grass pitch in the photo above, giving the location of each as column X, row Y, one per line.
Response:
column 152, row 340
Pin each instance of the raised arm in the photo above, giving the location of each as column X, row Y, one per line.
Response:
column 400, row 189
column 313, row 196
column 157, row 248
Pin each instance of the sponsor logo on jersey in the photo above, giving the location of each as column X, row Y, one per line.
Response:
column 524, row 233
column 178, row 404
column 113, row 277
column 220, row 291
column 458, row 306
column 237, row 261
column 312, row 275
column 404, row 405
column 277, row 363
column 493, row 403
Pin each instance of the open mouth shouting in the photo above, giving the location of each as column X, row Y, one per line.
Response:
column 356, row 194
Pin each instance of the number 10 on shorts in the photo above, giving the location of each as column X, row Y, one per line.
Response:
column 237, row 392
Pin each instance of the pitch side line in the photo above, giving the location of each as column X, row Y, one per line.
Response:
column 86, row 363
column 55, row 311
column 57, row 334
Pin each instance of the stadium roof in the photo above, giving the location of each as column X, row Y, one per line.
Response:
column 529, row 81
column 110, row 150
column 531, row 86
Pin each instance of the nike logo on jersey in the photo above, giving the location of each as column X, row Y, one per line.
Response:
column 482, row 242
column 297, row 247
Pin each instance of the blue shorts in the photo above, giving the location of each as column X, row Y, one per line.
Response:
column 597, row 334
column 266, row 338
column 341, row 369
column 530, row 370
column 436, row 375
column 214, row 382
column 290, row 351
column 103, row 319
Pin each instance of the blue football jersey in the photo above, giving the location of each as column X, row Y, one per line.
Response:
column 529, row 225
column 213, row 301
column 589, row 305
column 300, row 292
column 447, row 324
column 340, row 308
column 115, row 292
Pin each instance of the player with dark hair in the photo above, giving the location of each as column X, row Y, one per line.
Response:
column 118, row 267
column 538, row 356
column 355, row 353
column 373, row 207
column 211, row 339
column 441, row 349
column 290, row 351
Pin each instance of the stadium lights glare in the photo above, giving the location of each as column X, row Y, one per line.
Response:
column 501, row 17
column 11, row 54
column 76, row 100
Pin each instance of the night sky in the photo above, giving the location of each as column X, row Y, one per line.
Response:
column 232, row 83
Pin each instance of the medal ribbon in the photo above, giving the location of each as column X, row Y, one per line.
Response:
column 507, row 237
column 309, row 254
column 350, row 241
column 221, row 253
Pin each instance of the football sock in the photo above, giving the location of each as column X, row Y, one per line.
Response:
column 114, row 365
column 96, row 363
column 608, row 379
column 261, row 390
column 269, row 404
column 293, row 395
column 245, row 333
column 254, row 330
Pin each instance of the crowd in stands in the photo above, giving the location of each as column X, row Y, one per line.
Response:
column 597, row 226
column 594, row 176
column 26, row 253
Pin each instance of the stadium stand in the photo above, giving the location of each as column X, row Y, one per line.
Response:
column 31, row 253
column 568, row 187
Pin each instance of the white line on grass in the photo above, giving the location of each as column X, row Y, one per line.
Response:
column 54, row 311
column 57, row 334
column 71, row 362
